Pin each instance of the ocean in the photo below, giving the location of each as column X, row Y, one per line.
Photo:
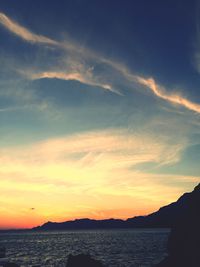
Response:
column 115, row 248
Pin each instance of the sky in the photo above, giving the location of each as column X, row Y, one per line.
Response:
column 99, row 108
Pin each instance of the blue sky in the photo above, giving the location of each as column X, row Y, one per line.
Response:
column 100, row 97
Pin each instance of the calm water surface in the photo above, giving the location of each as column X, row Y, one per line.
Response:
column 115, row 248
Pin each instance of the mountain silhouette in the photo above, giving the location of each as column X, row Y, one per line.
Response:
column 165, row 217
column 82, row 224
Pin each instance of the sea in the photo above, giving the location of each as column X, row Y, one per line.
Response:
column 115, row 248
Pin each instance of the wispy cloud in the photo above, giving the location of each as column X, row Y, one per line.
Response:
column 162, row 93
column 118, row 147
column 20, row 97
column 78, row 64
column 86, row 79
column 12, row 109
column 94, row 163
column 85, row 76
column 23, row 32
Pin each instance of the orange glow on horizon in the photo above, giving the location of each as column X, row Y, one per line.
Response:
column 28, row 221
column 89, row 175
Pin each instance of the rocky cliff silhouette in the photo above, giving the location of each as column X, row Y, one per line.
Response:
column 165, row 217
column 184, row 240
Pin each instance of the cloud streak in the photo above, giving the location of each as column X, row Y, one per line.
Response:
column 77, row 76
column 81, row 67
column 160, row 92
column 23, row 32
column 84, row 75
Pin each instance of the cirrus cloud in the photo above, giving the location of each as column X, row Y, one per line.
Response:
column 23, row 32
column 82, row 67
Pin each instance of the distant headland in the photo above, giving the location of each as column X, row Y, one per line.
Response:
column 165, row 217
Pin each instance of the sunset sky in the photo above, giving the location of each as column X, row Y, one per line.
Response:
column 99, row 108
